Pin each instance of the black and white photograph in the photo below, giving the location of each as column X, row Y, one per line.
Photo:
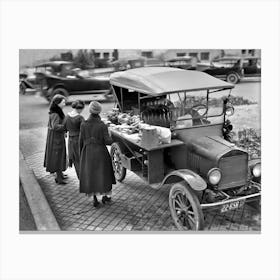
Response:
column 140, row 140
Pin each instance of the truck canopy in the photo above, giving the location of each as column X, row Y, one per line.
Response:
column 156, row 81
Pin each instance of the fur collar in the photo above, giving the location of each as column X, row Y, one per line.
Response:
column 93, row 117
column 73, row 114
column 56, row 109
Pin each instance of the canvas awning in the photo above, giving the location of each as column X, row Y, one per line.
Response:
column 160, row 80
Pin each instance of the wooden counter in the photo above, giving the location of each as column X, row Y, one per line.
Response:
column 174, row 142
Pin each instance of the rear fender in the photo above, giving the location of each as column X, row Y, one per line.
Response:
column 54, row 86
column 194, row 180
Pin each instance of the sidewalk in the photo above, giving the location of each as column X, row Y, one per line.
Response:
column 135, row 205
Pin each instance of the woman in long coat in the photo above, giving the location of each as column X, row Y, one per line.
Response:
column 73, row 122
column 55, row 153
column 96, row 171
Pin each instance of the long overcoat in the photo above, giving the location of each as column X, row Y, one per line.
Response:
column 72, row 125
column 55, row 152
column 96, row 171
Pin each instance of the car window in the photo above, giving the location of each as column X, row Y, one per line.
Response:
column 245, row 63
column 46, row 70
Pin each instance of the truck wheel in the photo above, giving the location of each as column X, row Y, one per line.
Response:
column 233, row 78
column 119, row 170
column 185, row 207
column 109, row 97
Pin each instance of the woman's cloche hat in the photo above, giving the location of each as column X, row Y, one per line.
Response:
column 95, row 107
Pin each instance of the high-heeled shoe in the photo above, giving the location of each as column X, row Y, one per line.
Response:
column 96, row 203
column 105, row 199
column 60, row 182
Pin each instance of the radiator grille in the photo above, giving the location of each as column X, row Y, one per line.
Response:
column 193, row 161
column 234, row 171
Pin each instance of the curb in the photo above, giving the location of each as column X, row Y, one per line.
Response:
column 40, row 209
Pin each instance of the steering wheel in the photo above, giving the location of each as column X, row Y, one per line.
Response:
column 198, row 107
column 198, row 119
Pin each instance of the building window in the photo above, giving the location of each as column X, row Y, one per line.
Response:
column 97, row 55
column 193, row 54
column 147, row 54
column 243, row 51
column 251, row 52
column 180, row 54
column 204, row 56
column 106, row 55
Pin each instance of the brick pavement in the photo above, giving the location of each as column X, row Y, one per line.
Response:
column 135, row 205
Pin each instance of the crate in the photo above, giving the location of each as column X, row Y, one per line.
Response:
column 130, row 162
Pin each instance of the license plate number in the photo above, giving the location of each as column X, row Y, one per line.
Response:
column 232, row 205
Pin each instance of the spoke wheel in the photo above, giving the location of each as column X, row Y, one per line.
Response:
column 119, row 170
column 233, row 78
column 185, row 207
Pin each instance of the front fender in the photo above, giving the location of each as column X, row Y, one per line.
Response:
column 193, row 179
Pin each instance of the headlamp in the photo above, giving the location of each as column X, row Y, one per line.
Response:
column 229, row 110
column 256, row 170
column 214, row 176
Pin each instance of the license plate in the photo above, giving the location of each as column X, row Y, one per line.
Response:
column 232, row 205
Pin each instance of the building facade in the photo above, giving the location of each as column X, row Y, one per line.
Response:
column 30, row 57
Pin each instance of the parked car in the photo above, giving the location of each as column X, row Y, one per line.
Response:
column 26, row 83
column 61, row 77
column 229, row 69
column 133, row 61
column 251, row 66
column 185, row 62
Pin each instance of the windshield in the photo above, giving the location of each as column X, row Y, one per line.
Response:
column 198, row 108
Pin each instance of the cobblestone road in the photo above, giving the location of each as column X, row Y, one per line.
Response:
column 135, row 206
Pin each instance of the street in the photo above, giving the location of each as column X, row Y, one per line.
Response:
column 33, row 109
column 135, row 205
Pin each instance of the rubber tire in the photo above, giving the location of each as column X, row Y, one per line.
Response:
column 59, row 90
column 116, row 146
column 109, row 97
column 184, row 188
column 233, row 78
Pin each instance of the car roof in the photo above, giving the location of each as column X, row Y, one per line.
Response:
column 161, row 80
column 53, row 63
column 228, row 58
column 180, row 58
column 251, row 57
column 236, row 58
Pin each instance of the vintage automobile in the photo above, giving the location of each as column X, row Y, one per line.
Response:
column 133, row 61
column 27, row 81
column 203, row 169
column 251, row 66
column 233, row 69
column 61, row 77
column 229, row 69
column 185, row 62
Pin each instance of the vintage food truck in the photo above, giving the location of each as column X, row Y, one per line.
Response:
column 203, row 169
